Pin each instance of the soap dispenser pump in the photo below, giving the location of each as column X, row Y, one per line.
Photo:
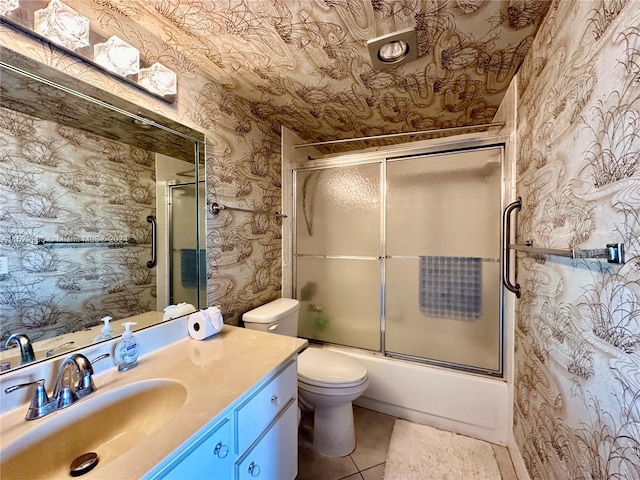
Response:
column 127, row 349
column 106, row 332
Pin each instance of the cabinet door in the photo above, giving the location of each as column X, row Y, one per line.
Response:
column 275, row 455
column 256, row 413
column 209, row 457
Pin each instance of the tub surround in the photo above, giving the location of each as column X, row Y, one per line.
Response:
column 215, row 372
column 467, row 404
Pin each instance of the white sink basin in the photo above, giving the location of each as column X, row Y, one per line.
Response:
column 108, row 424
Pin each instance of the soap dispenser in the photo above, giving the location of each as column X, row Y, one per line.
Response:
column 106, row 332
column 127, row 349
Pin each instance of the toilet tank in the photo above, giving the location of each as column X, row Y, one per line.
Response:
column 279, row 316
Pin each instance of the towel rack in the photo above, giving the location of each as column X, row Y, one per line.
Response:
column 216, row 209
column 613, row 252
column 77, row 243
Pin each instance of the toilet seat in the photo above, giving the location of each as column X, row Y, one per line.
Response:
column 320, row 367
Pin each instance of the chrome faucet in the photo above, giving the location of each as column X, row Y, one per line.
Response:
column 75, row 381
column 24, row 345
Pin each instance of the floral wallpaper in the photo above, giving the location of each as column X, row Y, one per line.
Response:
column 246, row 68
column 577, row 372
column 61, row 184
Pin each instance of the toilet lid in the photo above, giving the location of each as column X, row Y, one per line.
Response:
column 319, row 366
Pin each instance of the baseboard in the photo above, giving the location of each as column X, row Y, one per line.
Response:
column 517, row 460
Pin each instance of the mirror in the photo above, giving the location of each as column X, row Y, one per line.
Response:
column 101, row 211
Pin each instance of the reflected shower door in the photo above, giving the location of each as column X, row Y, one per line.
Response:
column 337, row 254
column 187, row 255
column 442, row 270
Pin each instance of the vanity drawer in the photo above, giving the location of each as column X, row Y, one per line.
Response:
column 253, row 415
column 275, row 454
column 211, row 456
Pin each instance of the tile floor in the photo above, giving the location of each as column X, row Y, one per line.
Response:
column 373, row 432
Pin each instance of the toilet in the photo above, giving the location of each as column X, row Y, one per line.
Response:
column 328, row 381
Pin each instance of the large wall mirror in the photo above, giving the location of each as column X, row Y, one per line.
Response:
column 101, row 212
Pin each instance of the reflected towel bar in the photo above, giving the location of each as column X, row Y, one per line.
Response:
column 110, row 243
column 216, row 209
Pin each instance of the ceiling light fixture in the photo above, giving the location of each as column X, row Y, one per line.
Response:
column 394, row 49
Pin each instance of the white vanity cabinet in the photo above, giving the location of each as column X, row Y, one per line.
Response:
column 257, row 437
column 209, row 456
column 275, row 455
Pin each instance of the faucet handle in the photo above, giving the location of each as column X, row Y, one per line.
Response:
column 52, row 352
column 40, row 404
column 86, row 385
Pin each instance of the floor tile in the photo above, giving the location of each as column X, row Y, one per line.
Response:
column 373, row 432
column 505, row 465
column 355, row 476
column 313, row 466
column 373, row 473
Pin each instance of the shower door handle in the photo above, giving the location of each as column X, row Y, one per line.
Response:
column 152, row 263
column 506, row 229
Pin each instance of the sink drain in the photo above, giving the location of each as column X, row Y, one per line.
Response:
column 83, row 464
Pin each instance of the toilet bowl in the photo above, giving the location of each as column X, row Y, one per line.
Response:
column 328, row 381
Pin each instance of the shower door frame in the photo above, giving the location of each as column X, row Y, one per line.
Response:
column 381, row 157
column 199, row 183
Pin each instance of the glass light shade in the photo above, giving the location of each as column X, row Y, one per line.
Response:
column 158, row 79
column 8, row 5
column 63, row 25
column 393, row 51
column 117, row 56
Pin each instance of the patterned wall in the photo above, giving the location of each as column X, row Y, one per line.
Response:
column 245, row 68
column 577, row 390
column 63, row 184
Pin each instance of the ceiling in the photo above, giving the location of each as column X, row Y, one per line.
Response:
column 305, row 63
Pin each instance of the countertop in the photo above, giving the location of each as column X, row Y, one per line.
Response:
column 215, row 373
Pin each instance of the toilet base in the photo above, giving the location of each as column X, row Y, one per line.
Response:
column 333, row 430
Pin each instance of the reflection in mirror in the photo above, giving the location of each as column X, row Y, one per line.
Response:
column 101, row 214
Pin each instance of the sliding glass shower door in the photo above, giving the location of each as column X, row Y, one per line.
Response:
column 187, row 256
column 402, row 256
column 337, row 255
column 443, row 258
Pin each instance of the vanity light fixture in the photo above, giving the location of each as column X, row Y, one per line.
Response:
column 393, row 49
column 117, row 56
column 62, row 24
column 159, row 79
column 65, row 28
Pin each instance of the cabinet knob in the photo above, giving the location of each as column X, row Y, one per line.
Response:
column 275, row 399
column 254, row 470
column 221, row 450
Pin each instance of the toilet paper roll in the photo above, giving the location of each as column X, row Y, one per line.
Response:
column 200, row 327
column 215, row 317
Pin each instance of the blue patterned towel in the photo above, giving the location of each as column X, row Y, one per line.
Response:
column 451, row 287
